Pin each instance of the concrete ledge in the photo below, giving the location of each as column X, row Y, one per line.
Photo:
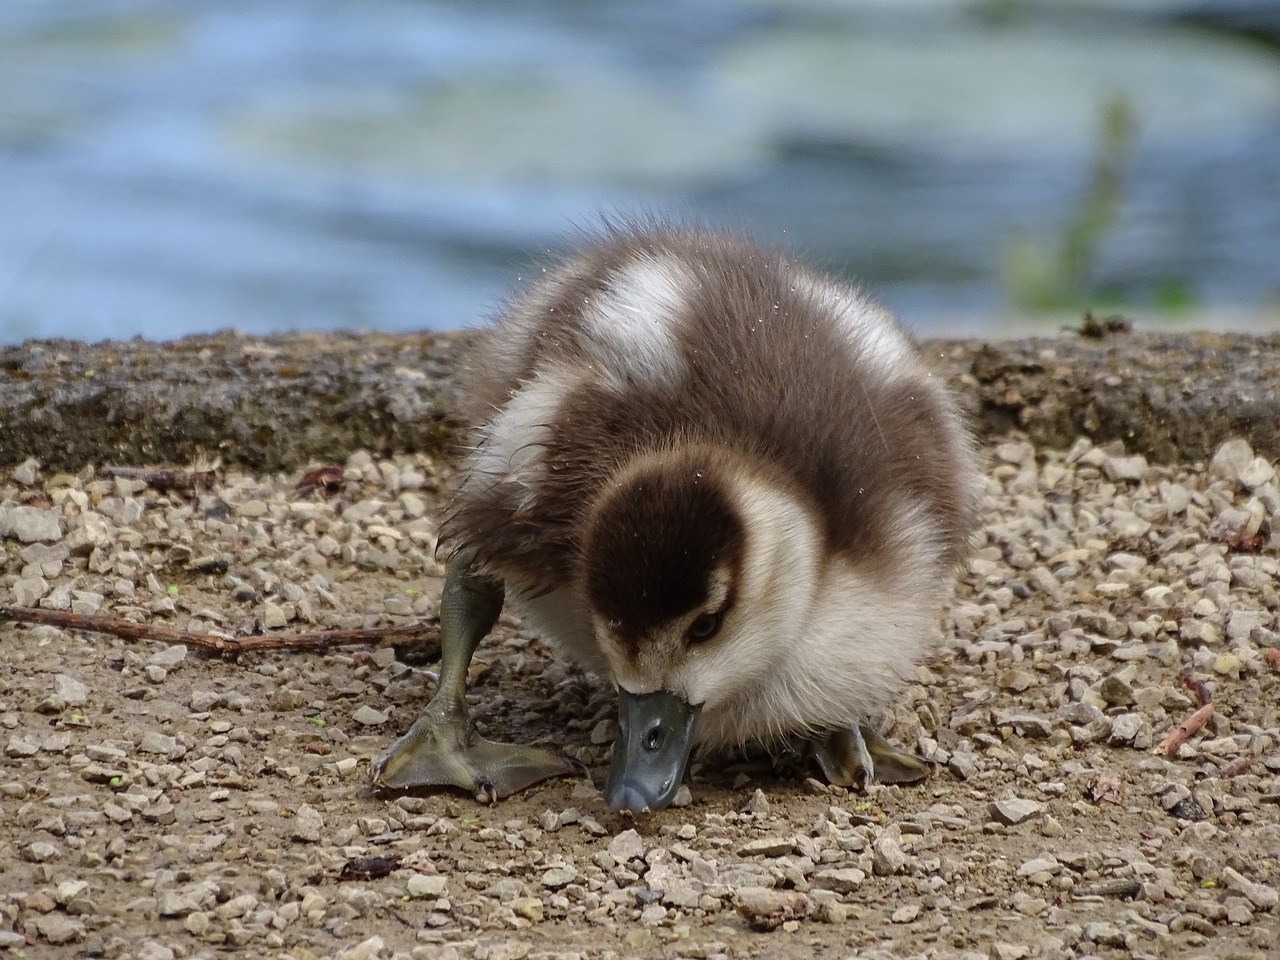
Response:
column 278, row 403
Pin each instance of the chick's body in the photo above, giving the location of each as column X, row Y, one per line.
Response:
column 702, row 469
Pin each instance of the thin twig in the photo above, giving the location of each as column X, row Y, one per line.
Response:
column 226, row 646
column 1179, row 734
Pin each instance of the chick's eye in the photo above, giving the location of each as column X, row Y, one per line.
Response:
column 704, row 626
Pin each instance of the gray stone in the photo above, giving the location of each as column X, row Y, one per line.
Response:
column 1116, row 691
column 627, row 845
column 30, row 524
column 1241, row 623
column 422, row 885
column 159, row 743
column 170, row 903
column 887, row 856
column 307, row 824
column 40, row 851
column 677, row 889
column 765, row 908
column 57, row 928
column 1079, row 714
column 27, row 472
column 839, row 879
column 1024, row 724
column 1230, row 459
column 1125, row 728
column 557, row 877
column 963, row 765
column 1125, row 468
column 1256, row 473
column 70, row 691
column 29, row 592
column 19, row 746
column 369, row 717
column 905, row 914
column 1015, row 810
column 766, row 847
column 1042, row 864
column 169, row 658
column 1259, row 894
column 368, row 949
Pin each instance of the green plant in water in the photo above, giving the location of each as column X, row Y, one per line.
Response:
column 1040, row 275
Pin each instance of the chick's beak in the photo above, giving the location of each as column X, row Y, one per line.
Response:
column 654, row 739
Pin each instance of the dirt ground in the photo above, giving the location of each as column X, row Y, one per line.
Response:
column 160, row 803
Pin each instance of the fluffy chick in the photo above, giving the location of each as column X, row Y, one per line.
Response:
column 722, row 480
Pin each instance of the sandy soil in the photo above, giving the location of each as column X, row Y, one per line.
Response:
column 158, row 803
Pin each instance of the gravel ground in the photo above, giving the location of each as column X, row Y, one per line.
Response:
column 159, row 804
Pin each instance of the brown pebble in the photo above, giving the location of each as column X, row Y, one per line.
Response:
column 767, row 909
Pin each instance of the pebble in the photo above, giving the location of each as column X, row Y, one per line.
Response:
column 307, row 824
column 1260, row 895
column 369, row 949
column 169, row 658
column 367, row 716
column 1081, row 611
column 27, row 472
column 1126, row 729
column 29, row 591
column 1024, row 724
column 1046, row 864
column 758, row 805
column 766, row 847
column 765, row 908
column 19, row 746
column 1125, row 468
column 558, row 877
column 57, row 929
column 887, row 856
column 1230, row 459
column 1015, row 810
column 30, row 524
column 41, row 851
column 531, row 908
column 626, row 845
column 171, row 903
column 427, row 885
column 1258, row 472
column 905, row 914
column 841, row 880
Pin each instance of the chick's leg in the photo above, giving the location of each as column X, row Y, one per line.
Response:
column 442, row 748
column 856, row 756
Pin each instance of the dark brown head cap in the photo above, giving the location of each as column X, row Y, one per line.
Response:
column 659, row 540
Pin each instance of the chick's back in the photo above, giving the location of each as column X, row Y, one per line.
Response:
column 655, row 336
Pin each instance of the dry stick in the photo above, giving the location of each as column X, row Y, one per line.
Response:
column 229, row 646
column 1179, row 734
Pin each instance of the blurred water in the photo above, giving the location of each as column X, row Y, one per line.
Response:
column 169, row 168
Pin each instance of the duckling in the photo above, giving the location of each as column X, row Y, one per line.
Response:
column 723, row 481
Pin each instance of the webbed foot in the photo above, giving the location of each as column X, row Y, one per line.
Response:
column 442, row 748
column 857, row 756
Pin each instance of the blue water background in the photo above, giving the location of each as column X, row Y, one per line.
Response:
column 173, row 167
